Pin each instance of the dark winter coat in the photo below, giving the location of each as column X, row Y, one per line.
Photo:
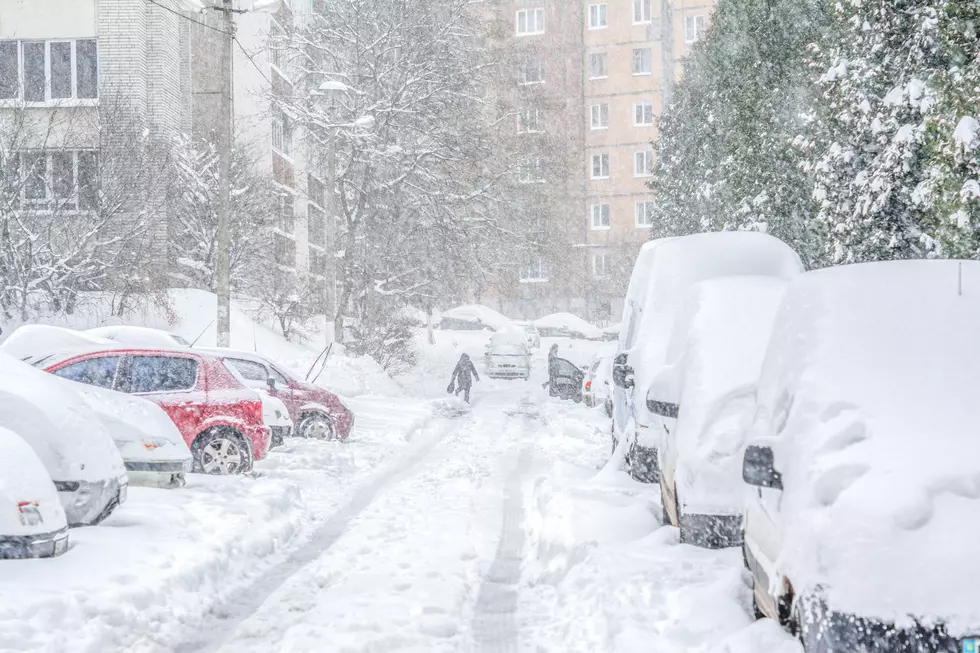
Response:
column 465, row 372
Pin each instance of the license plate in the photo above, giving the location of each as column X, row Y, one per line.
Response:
column 971, row 645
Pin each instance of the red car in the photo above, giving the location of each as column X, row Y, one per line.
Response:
column 317, row 413
column 221, row 419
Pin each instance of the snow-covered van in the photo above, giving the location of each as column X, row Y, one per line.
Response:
column 703, row 395
column 665, row 270
column 32, row 519
column 69, row 438
column 863, row 460
column 151, row 446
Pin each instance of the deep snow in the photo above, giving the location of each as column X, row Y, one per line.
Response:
column 437, row 527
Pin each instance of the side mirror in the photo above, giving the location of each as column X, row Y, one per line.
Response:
column 271, row 382
column 759, row 469
column 622, row 373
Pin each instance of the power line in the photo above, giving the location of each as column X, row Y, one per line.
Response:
column 251, row 60
column 177, row 13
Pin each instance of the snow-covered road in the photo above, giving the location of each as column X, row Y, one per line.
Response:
column 439, row 527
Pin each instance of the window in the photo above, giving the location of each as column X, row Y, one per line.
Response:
column 281, row 380
column 641, row 11
column 642, row 61
column 693, row 28
column 643, row 163
column 534, row 272
column 530, row 21
column 643, row 113
column 160, row 374
column 531, row 171
column 59, row 180
column 599, row 116
column 282, row 132
column 598, row 65
column 49, row 71
column 597, row 16
column 249, row 370
column 600, row 166
column 600, row 265
column 600, row 216
column 644, row 214
column 100, row 372
column 530, row 121
column 531, row 72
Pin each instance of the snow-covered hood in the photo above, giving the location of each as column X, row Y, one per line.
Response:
column 57, row 423
column 142, row 431
column 29, row 503
column 870, row 390
column 36, row 340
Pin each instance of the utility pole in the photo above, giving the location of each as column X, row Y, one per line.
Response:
column 222, row 257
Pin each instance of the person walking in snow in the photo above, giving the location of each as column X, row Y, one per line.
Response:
column 463, row 377
column 552, row 368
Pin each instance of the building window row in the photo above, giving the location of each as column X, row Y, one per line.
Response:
column 530, row 121
column 601, row 265
column 642, row 164
column 531, row 72
column 62, row 180
column 49, row 71
column 530, row 21
column 642, row 63
column 534, row 271
column 600, row 215
column 642, row 115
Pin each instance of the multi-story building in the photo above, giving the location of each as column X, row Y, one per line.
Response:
column 633, row 52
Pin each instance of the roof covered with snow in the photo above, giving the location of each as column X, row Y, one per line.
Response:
column 870, row 383
column 572, row 324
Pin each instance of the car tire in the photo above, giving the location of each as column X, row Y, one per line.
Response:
column 317, row 426
column 221, row 451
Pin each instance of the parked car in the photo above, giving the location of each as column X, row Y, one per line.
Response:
column 507, row 357
column 32, row 519
column 151, row 447
column 532, row 338
column 664, row 272
column 71, row 441
column 315, row 411
column 568, row 326
column 565, row 379
column 597, row 384
column 220, row 419
column 472, row 317
column 861, row 526
column 703, row 396
column 137, row 336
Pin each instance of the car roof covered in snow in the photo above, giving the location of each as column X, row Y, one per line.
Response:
column 869, row 387
column 679, row 263
column 477, row 313
column 49, row 414
column 571, row 323
column 138, row 336
column 509, row 335
column 32, row 341
column 23, row 479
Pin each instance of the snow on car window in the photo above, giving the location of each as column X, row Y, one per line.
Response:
column 94, row 371
column 160, row 374
column 250, row 370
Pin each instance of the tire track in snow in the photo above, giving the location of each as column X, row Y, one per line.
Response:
column 247, row 601
column 494, row 620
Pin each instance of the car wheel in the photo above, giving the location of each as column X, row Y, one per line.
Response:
column 221, row 451
column 317, row 427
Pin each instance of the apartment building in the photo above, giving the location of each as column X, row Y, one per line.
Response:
column 633, row 52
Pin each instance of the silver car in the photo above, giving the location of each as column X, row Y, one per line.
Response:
column 508, row 361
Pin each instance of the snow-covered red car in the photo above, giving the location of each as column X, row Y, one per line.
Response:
column 32, row 519
column 219, row 418
column 861, row 523
column 316, row 412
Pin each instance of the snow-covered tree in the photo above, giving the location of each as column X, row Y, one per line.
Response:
column 726, row 154
column 417, row 211
column 897, row 149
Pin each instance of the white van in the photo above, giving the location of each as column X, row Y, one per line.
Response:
column 665, row 271
column 704, row 395
column 863, row 463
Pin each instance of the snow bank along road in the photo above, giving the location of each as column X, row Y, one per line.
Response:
column 438, row 528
